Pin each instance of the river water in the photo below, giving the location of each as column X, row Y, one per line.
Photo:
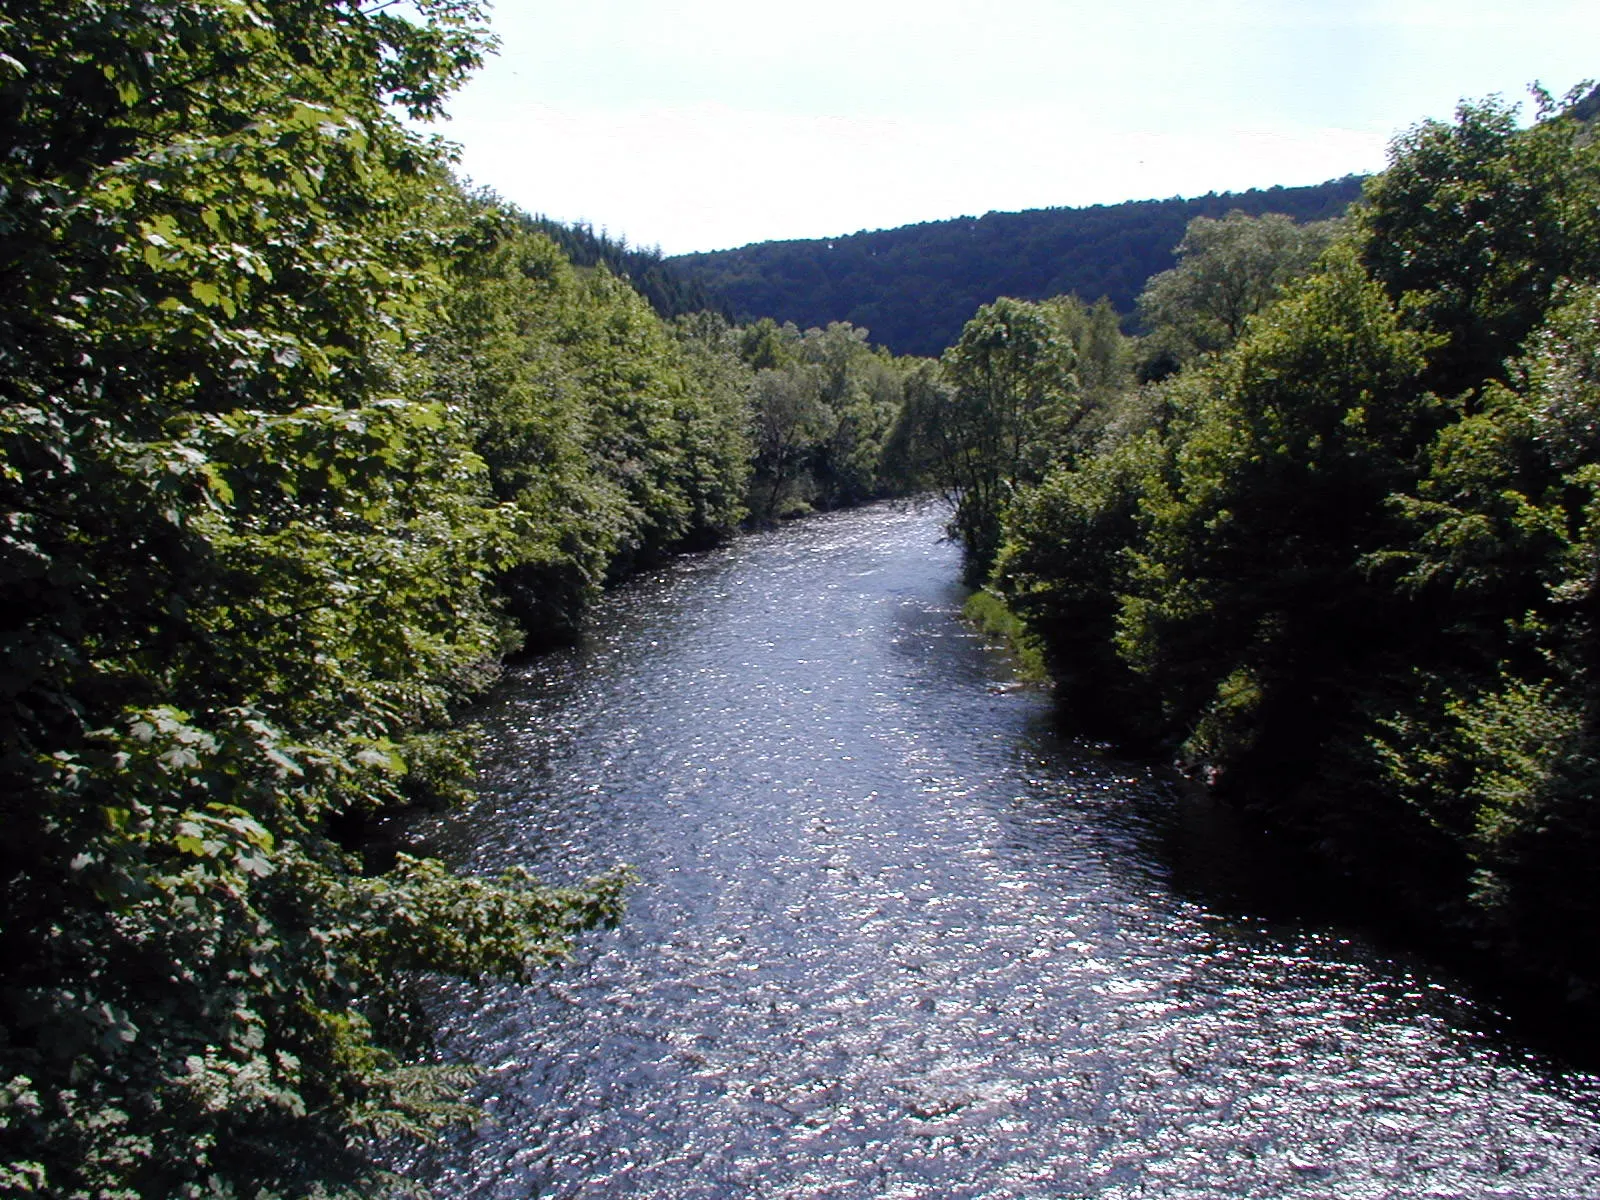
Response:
column 896, row 936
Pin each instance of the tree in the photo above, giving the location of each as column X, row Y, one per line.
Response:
column 1227, row 271
column 1496, row 743
column 613, row 437
column 1475, row 223
column 914, row 287
column 823, row 405
column 494, row 356
column 790, row 419
column 716, row 446
column 1102, row 354
column 245, row 552
column 860, row 387
column 1349, row 562
column 1064, row 568
column 1248, row 610
column 1010, row 411
column 768, row 346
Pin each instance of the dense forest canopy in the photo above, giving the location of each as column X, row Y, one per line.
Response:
column 915, row 286
column 247, row 553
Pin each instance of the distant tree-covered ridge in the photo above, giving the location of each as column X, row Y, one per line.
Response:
column 916, row 286
column 671, row 291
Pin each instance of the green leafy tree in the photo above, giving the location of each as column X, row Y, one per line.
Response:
column 1102, row 354
column 768, row 346
column 861, row 388
column 246, row 554
column 494, row 356
column 610, row 437
column 915, row 287
column 1064, row 568
column 1349, row 562
column 1228, row 270
column 1474, row 224
column 824, row 405
column 1496, row 742
column 716, row 443
column 791, row 418
column 1248, row 611
column 1011, row 410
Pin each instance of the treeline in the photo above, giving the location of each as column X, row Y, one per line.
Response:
column 915, row 286
column 671, row 292
column 826, row 407
column 1332, row 535
column 298, row 440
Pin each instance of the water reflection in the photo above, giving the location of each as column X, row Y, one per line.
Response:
column 897, row 938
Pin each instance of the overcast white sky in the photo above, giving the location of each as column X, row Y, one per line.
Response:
column 706, row 124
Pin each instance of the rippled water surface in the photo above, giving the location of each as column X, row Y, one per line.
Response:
column 895, row 937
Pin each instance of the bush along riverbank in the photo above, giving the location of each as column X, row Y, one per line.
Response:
column 300, row 438
column 1331, row 537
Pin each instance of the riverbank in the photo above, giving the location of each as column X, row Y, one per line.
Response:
column 1357, row 885
column 896, row 932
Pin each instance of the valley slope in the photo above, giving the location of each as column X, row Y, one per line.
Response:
column 915, row 286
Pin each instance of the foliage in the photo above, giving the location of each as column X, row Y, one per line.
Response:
column 861, row 387
column 824, row 406
column 1103, row 371
column 493, row 354
column 1064, row 568
column 1344, row 562
column 993, row 618
column 247, row 549
column 1227, row 271
column 1008, row 410
column 610, row 438
column 669, row 291
column 914, row 287
column 714, row 412
column 790, row 421
column 1473, row 225
column 1245, row 603
column 1497, row 745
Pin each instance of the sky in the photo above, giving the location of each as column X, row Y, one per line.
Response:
column 708, row 124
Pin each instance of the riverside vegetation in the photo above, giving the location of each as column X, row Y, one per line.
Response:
column 301, row 438
column 1329, row 531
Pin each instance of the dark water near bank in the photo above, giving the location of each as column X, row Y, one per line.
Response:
column 897, row 937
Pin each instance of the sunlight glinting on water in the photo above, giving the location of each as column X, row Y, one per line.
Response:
column 895, row 937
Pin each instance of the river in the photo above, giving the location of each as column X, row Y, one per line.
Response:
column 897, row 936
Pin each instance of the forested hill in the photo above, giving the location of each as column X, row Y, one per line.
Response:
column 914, row 287
column 672, row 293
